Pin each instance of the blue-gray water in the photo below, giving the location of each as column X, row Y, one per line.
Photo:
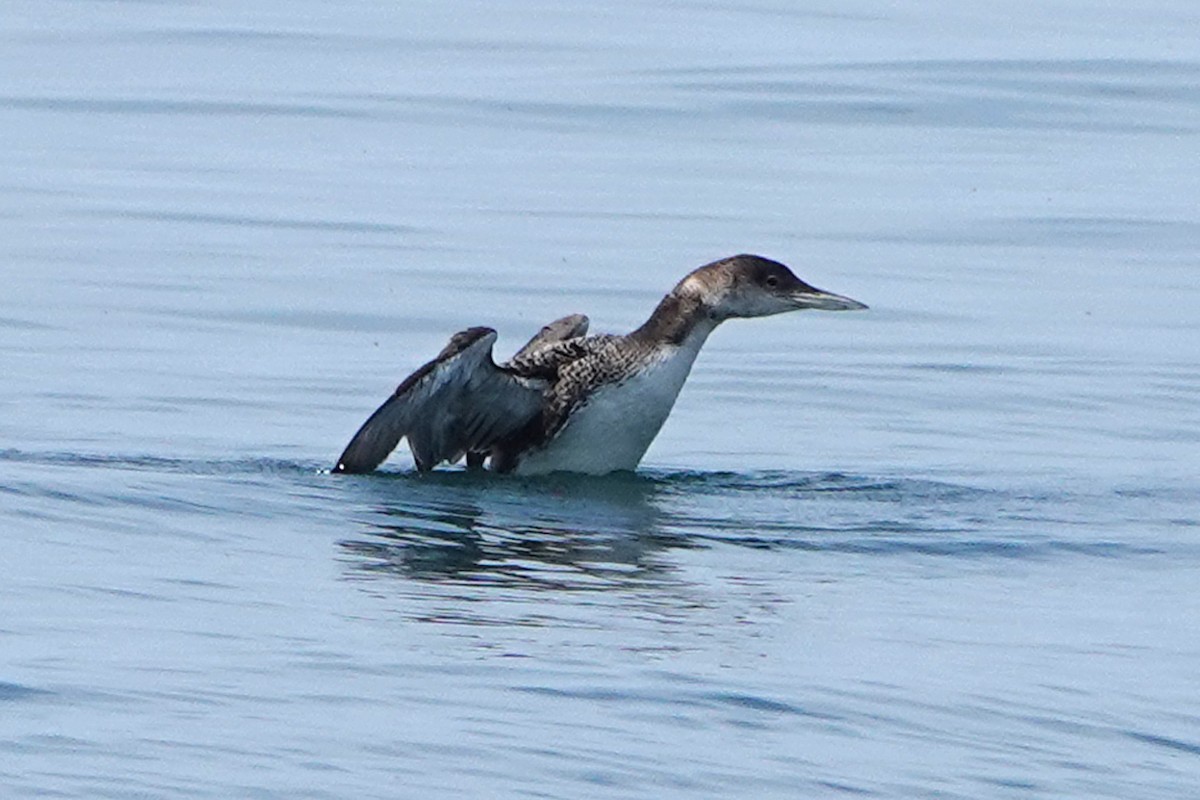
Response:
column 946, row 548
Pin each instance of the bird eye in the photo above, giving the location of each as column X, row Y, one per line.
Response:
column 771, row 281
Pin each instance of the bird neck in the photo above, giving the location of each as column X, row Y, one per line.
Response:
column 680, row 317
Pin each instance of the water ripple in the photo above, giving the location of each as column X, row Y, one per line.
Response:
column 14, row 692
column 1191, row 748
column 265, row 223
column 175, row 106
column 149, row 463
column 1081, row 95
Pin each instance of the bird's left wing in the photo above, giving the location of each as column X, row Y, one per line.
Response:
column 457, row 403
column 572, row 326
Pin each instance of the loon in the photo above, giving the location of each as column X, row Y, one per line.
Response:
column 567, row 401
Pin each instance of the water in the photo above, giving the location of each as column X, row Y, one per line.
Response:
column 945, row 548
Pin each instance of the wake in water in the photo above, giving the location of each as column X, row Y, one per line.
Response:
column 232, row 466
column 458, row 522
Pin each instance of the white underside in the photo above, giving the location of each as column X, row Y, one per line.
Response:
column 614, row 428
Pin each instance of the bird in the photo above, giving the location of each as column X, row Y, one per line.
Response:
column 567, row 401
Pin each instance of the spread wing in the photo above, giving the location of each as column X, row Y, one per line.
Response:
column 571, row 326
column 459, row 402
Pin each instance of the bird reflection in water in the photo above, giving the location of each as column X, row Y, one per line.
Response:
column 562, row 533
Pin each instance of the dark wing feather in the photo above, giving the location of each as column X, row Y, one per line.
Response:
column 459, row 402
column 571, row 326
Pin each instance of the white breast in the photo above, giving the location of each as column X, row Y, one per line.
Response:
column 612, row 430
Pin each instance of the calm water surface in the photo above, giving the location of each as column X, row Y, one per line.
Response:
column 946, row 548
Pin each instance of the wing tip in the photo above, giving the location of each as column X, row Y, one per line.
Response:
column 464, row 339
column 348, row 465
